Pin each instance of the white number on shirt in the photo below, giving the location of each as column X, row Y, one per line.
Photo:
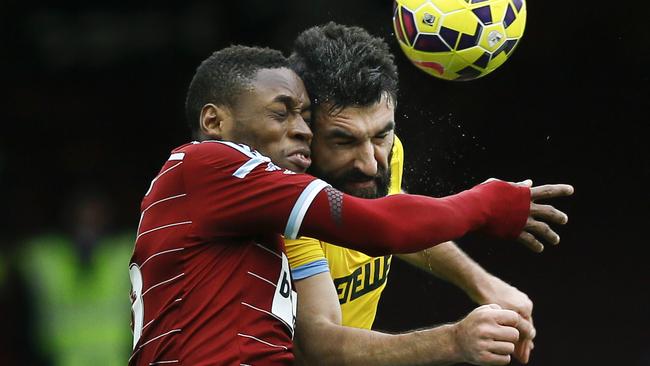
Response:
column 285, row 298
column 137, row 306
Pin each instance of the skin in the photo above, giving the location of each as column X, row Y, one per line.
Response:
column 448, row 262
column 351, row 149
column 486, row 336
column 272, row 115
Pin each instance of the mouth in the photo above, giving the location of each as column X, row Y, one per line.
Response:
column 300, row 158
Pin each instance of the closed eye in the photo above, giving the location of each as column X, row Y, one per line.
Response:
column 279, row 115
column 343, row 142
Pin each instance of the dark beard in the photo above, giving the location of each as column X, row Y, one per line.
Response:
column 339, row 181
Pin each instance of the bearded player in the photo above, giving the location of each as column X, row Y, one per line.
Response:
column 352, row 80
column 210, row 279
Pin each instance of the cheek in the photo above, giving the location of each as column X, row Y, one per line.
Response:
column 319, row 151
column 269, row 135
column 384, row 154
column 262, row 140
column 332, row 165
column 275, row 150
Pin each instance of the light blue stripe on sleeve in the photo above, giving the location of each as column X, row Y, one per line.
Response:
column 310, row 269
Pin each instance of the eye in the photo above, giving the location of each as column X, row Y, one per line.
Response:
column 279, row 115
column 343, row 142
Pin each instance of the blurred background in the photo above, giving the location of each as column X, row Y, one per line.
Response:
column 93, row 104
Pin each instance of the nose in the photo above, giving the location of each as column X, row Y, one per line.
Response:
column 366, row 160
column 300, row 130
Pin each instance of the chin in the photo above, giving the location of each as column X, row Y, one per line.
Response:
column 298, row 169
column 293, row 168
column 363, row 193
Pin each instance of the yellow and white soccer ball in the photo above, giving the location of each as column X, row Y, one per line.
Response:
column 459, row 39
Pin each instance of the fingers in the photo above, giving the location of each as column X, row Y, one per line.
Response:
column 542, row 231
column 502, row 348
column 524, row 308
column 509, row 322
column 526, row 183
column 490, row 334
column 548, row 213
column 525, row 345
column 550, row 191
column 530, row 241
column 490, row 180
column 507, row 317
column 495, row 359
column 523, row 350
column 526, row 329
column 537, row 229
column 506, row 334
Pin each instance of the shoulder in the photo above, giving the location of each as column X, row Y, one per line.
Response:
column 215, row 153
column 301, row 244
column 211, row 147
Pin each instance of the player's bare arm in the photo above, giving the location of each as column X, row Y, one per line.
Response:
column 486, row 336
column 448, row 262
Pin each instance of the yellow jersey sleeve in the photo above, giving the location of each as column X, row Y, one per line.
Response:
column 306, row 257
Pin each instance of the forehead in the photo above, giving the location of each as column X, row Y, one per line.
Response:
column 357, row 119
column 270, row 83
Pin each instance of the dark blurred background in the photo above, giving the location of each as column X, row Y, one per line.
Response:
column 93, row 104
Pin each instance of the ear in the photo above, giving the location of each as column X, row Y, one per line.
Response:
column 215, row 122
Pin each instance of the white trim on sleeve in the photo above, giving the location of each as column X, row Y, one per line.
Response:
column 300, row 208
column 248, row 167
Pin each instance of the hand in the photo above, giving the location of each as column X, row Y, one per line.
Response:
column 496, row 291
column 487, row 335
column 524, row 345
column 537, row 228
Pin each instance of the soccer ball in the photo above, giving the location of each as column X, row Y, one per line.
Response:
column 458, row 39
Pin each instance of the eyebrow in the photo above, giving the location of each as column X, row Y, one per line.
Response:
column 290, row 101
column 337, row 132
column 390, row 125
column 284, row 99
column 340, row 133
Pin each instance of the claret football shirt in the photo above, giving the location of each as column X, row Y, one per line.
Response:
column 210, row 285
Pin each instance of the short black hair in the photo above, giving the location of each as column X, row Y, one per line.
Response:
column 221, row 77
column 344, row 66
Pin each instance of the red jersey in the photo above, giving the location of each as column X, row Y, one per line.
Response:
column 211, row 285
column 210, row 281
